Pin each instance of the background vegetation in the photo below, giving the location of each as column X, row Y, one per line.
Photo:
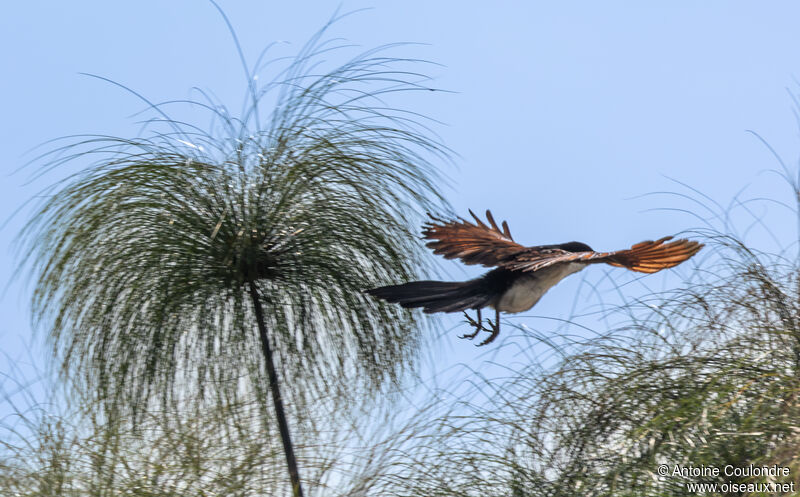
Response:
column 706, row 373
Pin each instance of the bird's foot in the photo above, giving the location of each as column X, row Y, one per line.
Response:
column 478, row 325
column 494, row 330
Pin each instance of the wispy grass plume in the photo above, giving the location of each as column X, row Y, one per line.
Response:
column 153, row 264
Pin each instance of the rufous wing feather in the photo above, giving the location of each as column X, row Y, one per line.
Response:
column 473, row 243
column 644, row 257
column 651, row 256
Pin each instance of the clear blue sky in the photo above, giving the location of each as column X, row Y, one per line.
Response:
column 563, row 112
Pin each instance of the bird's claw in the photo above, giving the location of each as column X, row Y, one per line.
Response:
column 494, row 329
column 478, row 325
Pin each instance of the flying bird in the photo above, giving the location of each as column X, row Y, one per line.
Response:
column 521, row 275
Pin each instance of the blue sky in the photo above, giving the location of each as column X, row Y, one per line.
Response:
column 563, row 114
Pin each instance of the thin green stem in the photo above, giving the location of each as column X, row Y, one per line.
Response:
column 280, row 413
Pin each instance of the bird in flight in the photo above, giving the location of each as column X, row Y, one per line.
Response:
column 521, row 275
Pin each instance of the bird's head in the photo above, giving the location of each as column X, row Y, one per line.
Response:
column 574, row 247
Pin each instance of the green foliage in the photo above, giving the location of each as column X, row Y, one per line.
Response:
column 704, row 375
column 208, row 452
column 142, row 259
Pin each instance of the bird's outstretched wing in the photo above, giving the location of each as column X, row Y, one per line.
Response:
column 645, row 257
column 651, row 256
column 472, row 243
column 488, row 245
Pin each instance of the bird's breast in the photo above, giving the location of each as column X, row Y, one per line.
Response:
column 527, row 289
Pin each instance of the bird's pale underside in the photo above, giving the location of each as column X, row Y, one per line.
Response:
column 521, row 275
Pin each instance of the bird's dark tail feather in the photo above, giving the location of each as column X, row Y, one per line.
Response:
column 436, row 296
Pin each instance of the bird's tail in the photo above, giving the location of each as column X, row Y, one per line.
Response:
column 435, row 296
